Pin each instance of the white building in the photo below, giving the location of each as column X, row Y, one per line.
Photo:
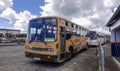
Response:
column 8, row 35
column 10, row 31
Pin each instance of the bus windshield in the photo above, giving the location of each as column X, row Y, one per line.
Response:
column 93, row 35
column 42, row 30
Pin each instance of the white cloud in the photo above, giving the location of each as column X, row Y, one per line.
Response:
column 5, row 4
column 82, row 21
column 23, row 20
column 102, row 30
column 92, row 14
column 111, row 3
column 8, row 13
column 47, row 8
column 20, row 20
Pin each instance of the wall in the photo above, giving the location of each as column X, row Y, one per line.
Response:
column 118, row 35
column 115, row 35
column 112, row 36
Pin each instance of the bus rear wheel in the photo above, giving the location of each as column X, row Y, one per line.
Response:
column 87, row 46
column 70, row 53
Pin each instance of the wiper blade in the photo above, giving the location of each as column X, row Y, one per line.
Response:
column 30, row 40
column 45, row 43
column 33, row 38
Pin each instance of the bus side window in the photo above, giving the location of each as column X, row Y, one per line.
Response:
column 74, row 34
column 62, row 30
column 68, row 36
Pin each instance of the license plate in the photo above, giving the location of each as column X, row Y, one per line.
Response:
column 36, row 58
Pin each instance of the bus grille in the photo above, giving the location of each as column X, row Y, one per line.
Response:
column 42, row 49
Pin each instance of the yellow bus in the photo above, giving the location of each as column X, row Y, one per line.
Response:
column 54, row 39
column 21, row 37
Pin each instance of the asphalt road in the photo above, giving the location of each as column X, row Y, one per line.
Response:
column 12, row 59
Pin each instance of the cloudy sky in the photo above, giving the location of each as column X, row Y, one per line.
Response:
column 92, row 14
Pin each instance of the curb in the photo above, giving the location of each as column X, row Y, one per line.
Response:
column 116, row 62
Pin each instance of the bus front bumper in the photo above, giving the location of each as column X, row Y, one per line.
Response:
column 49, row 58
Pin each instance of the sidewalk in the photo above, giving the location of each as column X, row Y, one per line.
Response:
column 110, row 64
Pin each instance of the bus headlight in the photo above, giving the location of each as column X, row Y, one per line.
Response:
column 50, row 49
column 28, row 47
column 55, row 53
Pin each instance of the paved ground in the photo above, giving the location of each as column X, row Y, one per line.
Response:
column 110, row 64
column 7, row 44
column 12, row 59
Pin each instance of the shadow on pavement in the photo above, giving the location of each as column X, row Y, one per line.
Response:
column 52, row 64
column 45, row 63
column 93, row 46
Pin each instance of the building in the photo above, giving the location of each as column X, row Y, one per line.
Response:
column 4, row 31
column 114, row 25
column 8, row 35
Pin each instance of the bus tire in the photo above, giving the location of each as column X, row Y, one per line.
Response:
column 70, row 52
column 87, row 46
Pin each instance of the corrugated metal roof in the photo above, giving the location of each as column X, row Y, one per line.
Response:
column 9, row 29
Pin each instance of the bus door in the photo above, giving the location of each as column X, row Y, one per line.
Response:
column 63, row 39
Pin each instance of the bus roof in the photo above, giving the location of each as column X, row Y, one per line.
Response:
column 57, row 17
column 44, row 17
